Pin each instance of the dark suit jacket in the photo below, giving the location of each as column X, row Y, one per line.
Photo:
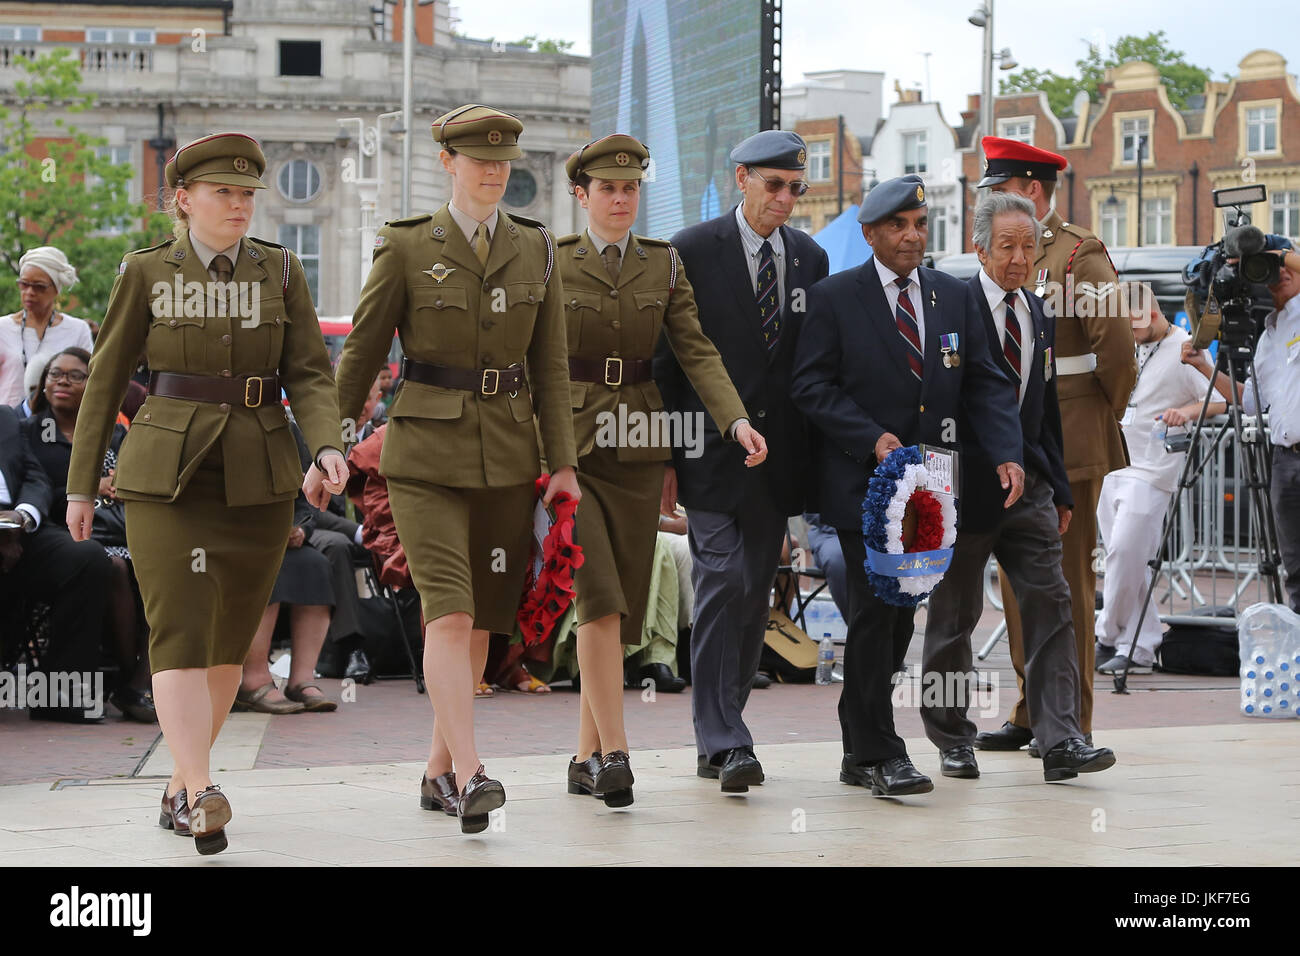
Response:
column 851, row 378
column 26, row 480
column 715, row 263
column 1040, row 424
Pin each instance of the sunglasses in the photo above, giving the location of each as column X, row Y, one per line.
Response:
column 74, row 377
column 797, row 187
column 40, row 288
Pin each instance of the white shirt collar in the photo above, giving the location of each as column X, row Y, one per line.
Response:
column 599, row 243
column 206, row 253
column 469, row 225
column 1289, row 311
column 752, row 240
column 888, row 275
column 995, row 294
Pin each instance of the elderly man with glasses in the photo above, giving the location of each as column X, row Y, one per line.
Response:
column 751, row 273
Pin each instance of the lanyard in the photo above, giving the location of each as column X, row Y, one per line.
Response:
column 40, row 340
column 1147, row 361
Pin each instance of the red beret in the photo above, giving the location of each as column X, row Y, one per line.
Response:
column 1005, row 158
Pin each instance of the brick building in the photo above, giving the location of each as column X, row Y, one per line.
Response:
column 834, row 172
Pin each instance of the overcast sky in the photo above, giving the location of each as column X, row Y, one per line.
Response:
column 892, row 36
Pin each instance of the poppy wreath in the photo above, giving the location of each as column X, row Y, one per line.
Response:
column 903, row 576
column 548, row 597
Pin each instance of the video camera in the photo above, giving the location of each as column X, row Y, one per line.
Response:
column 1228, row 300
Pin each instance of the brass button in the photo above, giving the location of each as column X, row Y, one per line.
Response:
column 278, row 320
column 613, row 293
column 659, row 301
column 487, row 287
column 616, row 324
column 613, row 355
column 574, row 303
column 531, row 297
column 172, row 323
column 486, row 360
column 225, row 340
column 922, row 408
column 225, row 373
column 488, row 323
column 148, row 416
column 224, row 406
column 437, row 303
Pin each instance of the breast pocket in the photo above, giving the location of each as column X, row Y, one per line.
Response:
column 523, row 299
column 257, row 329
column 176, row 341
column 442, row 321
column 582, row 318
column 650, row 308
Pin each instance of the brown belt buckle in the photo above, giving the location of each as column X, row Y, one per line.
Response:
column 496, row 381
column 247, row 383
column 618, row 368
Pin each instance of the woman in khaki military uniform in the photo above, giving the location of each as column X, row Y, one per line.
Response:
column 209, row 470
column 620, row 290
column 473, row 294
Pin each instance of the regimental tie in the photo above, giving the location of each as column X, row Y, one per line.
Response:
column 221, row 268
column 908, row 327
column 1011, row 346
column 481, row 243
column 612, row 262
column 769, row 303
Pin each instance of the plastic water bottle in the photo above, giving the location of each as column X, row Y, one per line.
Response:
column 1159, row 430
column 825, row 659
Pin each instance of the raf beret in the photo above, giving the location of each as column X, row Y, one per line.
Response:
column 892, row 196
column 232, row 159
column 480, row 132
column 1005, row 158
column 772, row 148
column 614, row 157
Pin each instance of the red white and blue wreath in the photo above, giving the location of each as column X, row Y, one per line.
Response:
column 902, row 573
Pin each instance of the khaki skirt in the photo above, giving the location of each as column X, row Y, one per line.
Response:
column 468, row 549
column 205, row 570
column 616, row 524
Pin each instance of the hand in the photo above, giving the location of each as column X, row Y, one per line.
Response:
column 673, row 525
column 566, row 480
column 1012, row 476
column 297, row 537
column 11, row 548
column 1180, row 416
column 1195, row 358
column 1062, row 519
column 753, row 443
column 668, row 501
column 887, row 443
column 314, row 490
column 106, row 489
column 336, row 472
column 81, row 515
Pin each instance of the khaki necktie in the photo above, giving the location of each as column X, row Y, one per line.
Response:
column 612, row 262
column 481, row 243
column 221, row 268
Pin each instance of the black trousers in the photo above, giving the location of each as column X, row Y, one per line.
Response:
column 878, row 637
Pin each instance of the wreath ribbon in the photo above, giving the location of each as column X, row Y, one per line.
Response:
column 905, row 576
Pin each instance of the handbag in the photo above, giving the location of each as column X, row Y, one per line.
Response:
column 109, row 524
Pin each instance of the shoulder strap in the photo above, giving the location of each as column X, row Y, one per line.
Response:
column 1069, row 266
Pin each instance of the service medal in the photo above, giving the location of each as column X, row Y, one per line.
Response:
column 1040, row 286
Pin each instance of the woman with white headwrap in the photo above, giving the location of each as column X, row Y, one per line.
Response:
column 39, row 331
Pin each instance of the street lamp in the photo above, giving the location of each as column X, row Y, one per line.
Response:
column 982, row 17
column 370, row 146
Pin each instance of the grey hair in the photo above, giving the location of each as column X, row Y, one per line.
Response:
column 993, row 204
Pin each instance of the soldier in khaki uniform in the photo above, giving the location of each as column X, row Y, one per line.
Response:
column 209, row 469
column 473, row 294
column 620, row 290
column 1097, row 370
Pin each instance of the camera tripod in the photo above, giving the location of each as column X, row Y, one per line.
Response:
column 1235, row 357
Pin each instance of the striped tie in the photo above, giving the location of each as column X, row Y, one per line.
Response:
column 905, row 319
column 769, row 306
column 1011, row 347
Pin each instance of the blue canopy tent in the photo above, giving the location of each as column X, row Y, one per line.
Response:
column 843, row 242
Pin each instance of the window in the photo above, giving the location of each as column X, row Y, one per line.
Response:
column 1261, row 130
column 118, row 155
column 1114, row 223
column 10, row 34
column 1157, row 221
column 305, row 243
column 938, row 238
column 1019, row 129
column 819, row 161
column 803, row 223
column 299, row 181
column 1286, row 213
column 118, row 35
column 915, row 152
column 1130, row 131
column 300, row 58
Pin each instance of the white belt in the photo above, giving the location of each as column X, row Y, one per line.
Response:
column 1076, row 364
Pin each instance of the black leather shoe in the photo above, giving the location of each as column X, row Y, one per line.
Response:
column 896, row 777
column 359, row 667
column 64, row 715
column 959, row 762
column 614, row 779
column 480, row 797
column 761, row 681
column 1008, row 737
column 1037, row 754
column 582, row 775
column 665, row 681
column 135, row 704
column 1072, row 757
column 440, row 793
column 855, row 774
column 740, row 770
column 708, row 767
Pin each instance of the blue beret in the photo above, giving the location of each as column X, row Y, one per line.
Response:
column 891, row 196
column 773, row 148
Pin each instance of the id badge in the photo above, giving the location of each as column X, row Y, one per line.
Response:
column 1130, row 415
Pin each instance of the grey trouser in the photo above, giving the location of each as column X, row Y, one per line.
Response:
column 1285, row 494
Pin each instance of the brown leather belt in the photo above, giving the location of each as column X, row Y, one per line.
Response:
column 610, row 371
column 485, row 381
column 249, row 391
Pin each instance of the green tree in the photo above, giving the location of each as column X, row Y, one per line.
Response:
column 1181, row 79
column 531, row 42
column 58, row 190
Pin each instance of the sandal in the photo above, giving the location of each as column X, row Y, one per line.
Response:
column 484, row 690
column 313, row 703
column 522, row 682
column 255, row 700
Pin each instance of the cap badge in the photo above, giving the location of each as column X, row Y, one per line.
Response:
column 622, row 159
column 438, row 272
column 920, row 194
column 801, row 157
column 494, row 137
column 1029, row 173
column 240, row 164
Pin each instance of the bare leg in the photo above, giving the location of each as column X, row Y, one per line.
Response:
column 310, row 624
column 257, row 665
column 449, row 676
column 440, row 759
column 600, row 660
column 183, row 701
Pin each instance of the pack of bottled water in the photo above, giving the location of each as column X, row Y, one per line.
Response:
column 1269, row 639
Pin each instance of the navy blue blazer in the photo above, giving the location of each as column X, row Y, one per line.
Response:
column 24, row 476
column 715, row 264
column 851, row 379
column 982, row 495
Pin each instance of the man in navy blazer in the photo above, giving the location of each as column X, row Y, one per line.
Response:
column 751, row 274
column 1026, row 537
column 889, row 356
